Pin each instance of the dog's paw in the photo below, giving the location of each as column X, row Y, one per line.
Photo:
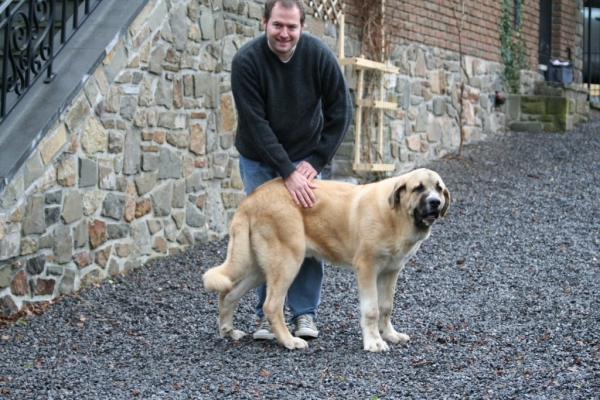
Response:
column 236, row 335
column 295, row 343
column 376, row 345
column 232, row 333
column 395, row 337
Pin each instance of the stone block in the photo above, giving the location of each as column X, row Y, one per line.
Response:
column 44, row 287
column 102, row 256
column 162, row 199
column 170, row 164
column 178, row 200
column 143, row 207
column 78, row 114
column 72, row 207
column 141, row 239
column 66, row 172
column 91, row 201
column 98, row 233
column 117, row 231
column 439, row 106
column 93, row 276
column 113, row 206
column 53, row 197
column 88, row 172
column 132, row 152
column 51, row 215
column 557, row 105
column 19, row 286
column 67, row 283
column 149, row 161
column 193, row 216
column 34, row 168
column 123, row 249
column 46, row 242
column 513, row 108
column 50, row 145
column 185, row 237
column 160, row 245
column 157, row 55
column 572, row 106
column 7, row 305
column 63, row 245
column 34, row 220
column 94, row 138
column 533, row 105
column 531, row 126
column 83, row 259
column 5, row 273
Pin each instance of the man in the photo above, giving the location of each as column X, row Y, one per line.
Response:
column 294, row 108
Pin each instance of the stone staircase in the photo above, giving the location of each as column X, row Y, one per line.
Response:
column 554, row 107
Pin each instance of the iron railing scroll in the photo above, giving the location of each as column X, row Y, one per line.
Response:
column 32, row 33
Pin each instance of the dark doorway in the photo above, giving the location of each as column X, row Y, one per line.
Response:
column 591, row 48
column 545, row 45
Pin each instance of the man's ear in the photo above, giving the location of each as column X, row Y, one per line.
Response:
column 264, row 23
column 394, row 198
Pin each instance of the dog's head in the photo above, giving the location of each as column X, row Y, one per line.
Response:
column 423, row 194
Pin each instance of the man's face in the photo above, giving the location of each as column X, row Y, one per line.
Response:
column 283, row 30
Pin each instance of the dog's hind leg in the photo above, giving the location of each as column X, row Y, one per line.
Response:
column 228, row 303
column 386, row 286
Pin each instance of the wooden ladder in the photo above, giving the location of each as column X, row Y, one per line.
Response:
column 333, row 10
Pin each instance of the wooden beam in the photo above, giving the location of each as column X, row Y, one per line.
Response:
column 374, row 167
column 363, row 63
column 377, row 104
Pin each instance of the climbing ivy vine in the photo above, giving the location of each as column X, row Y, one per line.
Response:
column 512, row 44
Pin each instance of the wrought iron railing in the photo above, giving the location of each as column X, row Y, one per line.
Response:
column 32, row 33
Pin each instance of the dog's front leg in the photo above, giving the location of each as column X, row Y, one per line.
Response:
column 386, row 287
column 369, row 310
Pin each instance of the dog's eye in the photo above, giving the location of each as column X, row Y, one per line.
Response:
column 438, row 188
column 419, row 188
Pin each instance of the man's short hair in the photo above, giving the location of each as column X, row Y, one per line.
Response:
column 285, row 4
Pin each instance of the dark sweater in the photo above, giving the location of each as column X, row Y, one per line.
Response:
column 290, row 111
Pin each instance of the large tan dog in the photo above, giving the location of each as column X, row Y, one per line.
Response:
column 372, row 228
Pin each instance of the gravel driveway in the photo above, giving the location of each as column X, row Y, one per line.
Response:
column 502, row 301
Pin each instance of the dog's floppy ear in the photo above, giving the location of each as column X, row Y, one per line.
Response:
column 394, row 198
column 446, row 194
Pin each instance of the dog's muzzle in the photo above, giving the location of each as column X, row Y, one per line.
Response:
column 429, row 210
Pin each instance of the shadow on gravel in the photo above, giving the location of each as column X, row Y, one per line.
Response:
column 502, row 301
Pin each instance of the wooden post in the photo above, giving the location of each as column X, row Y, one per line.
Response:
column 358, row 128
column 341, row 27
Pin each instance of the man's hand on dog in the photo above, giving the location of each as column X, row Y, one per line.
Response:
column 299, row 184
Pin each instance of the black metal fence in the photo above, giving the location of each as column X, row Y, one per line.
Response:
column 32, row 33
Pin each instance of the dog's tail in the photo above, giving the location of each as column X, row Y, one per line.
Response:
column 223, row 278
column 215, row 280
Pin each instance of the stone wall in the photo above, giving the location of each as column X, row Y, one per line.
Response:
column 142, row 163
column 427, row 91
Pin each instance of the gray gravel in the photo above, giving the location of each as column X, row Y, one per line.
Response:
column 502, row 301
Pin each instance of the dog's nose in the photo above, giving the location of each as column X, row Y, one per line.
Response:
column 435, row 203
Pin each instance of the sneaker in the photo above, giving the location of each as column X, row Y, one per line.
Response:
column 264, row 331
column 305, row 327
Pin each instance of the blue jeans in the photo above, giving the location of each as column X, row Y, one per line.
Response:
column 304, row 295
